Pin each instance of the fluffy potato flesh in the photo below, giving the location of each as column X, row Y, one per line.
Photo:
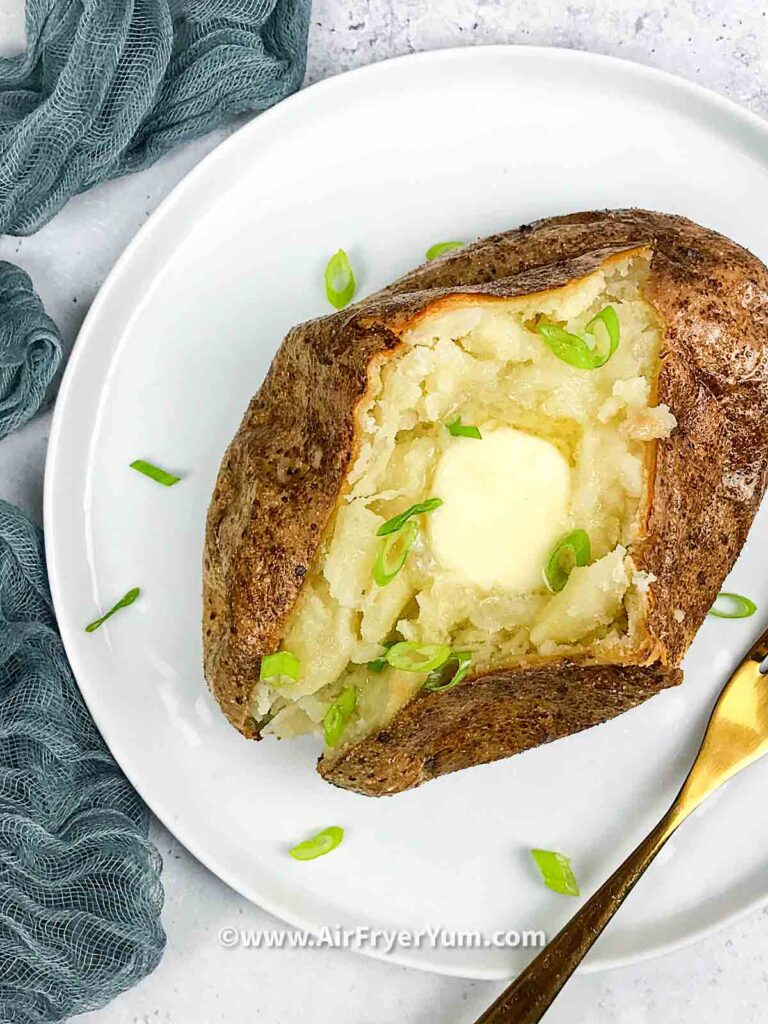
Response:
column 561, row 448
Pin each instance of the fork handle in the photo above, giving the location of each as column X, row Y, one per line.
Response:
column 532, row 992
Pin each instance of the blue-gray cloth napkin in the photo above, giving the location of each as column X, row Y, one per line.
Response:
column 104, row 88
column 107, row 86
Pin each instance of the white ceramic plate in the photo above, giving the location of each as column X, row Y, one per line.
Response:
column 384, row 161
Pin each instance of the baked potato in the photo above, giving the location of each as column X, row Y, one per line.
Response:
column 490, row 505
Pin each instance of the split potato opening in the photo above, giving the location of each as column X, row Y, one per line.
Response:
column 503, row 472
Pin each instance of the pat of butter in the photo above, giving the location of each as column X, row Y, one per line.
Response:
column 505, row 505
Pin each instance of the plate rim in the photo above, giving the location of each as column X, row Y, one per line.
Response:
column 733, row 111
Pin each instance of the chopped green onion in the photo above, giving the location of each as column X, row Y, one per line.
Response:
column 398, row 522
column 578, row 351
column 129, row 598
column 412, row 657
column 455, row 429
column 393, row 553
column 281, row 665
column 379, row 664
column 335, row 718
column 436, row 681
column 609, row 318
column 557, row 872
column 318, row 845
column 400, row 533
column 339, row 280
column 155, row 473
column 736, row 606
column 440, row 247
column 571, row 550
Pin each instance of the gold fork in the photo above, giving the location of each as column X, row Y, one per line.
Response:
column 737, row 735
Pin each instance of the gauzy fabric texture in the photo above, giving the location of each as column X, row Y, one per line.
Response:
column 104, row 88
column 30, row 349
column 80, row 892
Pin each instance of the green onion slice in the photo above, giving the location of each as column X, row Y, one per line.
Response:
column 281, row 665
column 379, row 664
column 736, row 606
column 335, row 718
column 155, row 473
column 393, row 553
column 456, row 429
column 413, row 657
column 581, row 352
column 436, row 680
column 398, row 522
column 129, row 598
column 318, row 845
column 440, row 247
column 557, row 872
column 571, row 550
column 339, row 280
column 609, row 318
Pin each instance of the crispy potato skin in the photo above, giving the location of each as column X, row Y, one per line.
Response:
column 282, row 474
column 488, row 717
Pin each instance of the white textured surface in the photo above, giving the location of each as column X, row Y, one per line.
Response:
column 724, row 46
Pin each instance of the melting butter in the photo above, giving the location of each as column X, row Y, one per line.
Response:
column 505, row 505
